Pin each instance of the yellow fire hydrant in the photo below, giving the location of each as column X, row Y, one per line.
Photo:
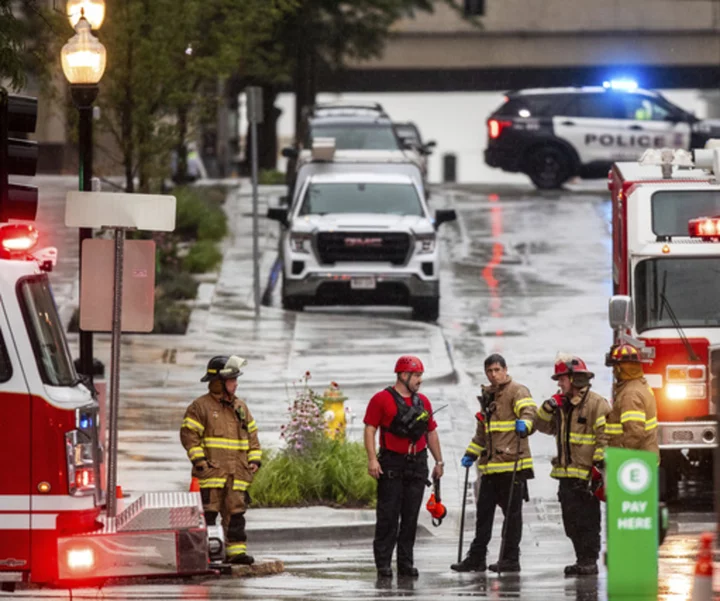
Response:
column 334, row 411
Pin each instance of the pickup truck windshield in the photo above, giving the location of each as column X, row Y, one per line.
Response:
column 358, row 137
column 690, row 285
column 46, row 332
column 391, row 199
column 672, row 209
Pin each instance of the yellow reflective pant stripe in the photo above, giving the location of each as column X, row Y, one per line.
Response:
column 632, row 416
column 226, row 443
column 236, row 549
column 506, row 466
column 212, row 482
column 569, row 472
column 191, row 424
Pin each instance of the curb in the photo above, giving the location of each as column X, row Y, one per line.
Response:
column 338, row 533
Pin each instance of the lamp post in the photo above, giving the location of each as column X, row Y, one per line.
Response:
column 83, row 62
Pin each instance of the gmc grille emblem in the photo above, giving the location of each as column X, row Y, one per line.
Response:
column 366, row 242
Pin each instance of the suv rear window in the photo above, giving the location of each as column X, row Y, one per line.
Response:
column 535, row 105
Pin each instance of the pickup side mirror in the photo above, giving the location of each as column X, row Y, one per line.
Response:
column 278, row 214
column 620, row 312
column 443, row 216
column 427, row 148
column 289, row 152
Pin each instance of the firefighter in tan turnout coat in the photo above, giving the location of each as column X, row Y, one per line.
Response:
column 221, row 439
column 576, row 417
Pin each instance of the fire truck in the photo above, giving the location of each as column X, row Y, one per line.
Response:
column 55, row 528
column 666, row 285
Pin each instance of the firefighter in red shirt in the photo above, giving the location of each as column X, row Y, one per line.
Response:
column 407, row 429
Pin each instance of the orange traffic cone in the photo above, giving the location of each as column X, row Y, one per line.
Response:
column 120, row 505
column 703, row 582
column 194, row 485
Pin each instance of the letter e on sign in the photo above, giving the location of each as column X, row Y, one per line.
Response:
column 634, row 477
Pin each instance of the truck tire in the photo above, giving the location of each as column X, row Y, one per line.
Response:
column 549, row 167
column 426, row 309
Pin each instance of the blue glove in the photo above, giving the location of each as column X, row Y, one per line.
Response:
column 521, row 428
column 467, row 460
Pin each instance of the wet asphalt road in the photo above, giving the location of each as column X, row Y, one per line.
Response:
column 525, row 275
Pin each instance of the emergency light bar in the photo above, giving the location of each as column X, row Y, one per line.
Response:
column 707, row 228
column 625, row 85
column 17, row 238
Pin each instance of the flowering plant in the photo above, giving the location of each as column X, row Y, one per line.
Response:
column 306, row 425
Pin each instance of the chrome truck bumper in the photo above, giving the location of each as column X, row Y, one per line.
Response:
column 160, row 534
column 687, row 435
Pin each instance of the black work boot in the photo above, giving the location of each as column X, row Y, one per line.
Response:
column 408, row 572
column 587, row 568
column 242, row 559
column 505, row 565
column 571, row 570
column 469, row 564
column 384, row 572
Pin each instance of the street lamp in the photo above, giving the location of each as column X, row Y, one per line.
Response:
column 83, row 62
column 92, row 10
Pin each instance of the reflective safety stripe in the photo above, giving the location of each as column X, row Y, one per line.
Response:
column 240, row 485
column 569, row 472
column 528, row 423
column 599, row 422
column 196, row 453
column 502, row 426
column 255, row 455
column 522, row 403
column 526, row 463
column 252, row 426
column 212, row 482
column 632, row 416
column 226, row 443
column 474, row 449
column 599, row 454
column 191, row 424
column 577, row 438
column 543, row 415
column 613, row 429
column 651, row 424
column 236, row 549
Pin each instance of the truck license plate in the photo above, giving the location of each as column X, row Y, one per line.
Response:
column 682, row 435
column 366, row 283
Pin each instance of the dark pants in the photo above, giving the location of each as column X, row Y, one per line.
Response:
column 581, row 518
column 495, row 489
column 399, row 497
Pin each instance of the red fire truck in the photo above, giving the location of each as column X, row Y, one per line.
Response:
column 53, row 526
column 666, row 285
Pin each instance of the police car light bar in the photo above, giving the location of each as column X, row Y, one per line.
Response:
column 707, row 228
column 625, row 85
column 18, row 238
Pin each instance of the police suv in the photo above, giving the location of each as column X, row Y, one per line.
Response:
column 553, row 134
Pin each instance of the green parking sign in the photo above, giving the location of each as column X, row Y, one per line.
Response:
column 632, row 522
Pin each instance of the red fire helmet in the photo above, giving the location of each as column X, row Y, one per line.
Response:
column 568, row 365
column 409, row 363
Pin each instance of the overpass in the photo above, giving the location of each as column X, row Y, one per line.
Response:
column 523, row 43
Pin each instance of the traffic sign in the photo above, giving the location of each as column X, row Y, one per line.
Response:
column 154, row 212
column 632, row 522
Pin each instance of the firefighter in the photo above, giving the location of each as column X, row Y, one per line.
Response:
column 500, row 441
column 407, row 430
column 221, row 439
column 576, row 417
column 632, row 423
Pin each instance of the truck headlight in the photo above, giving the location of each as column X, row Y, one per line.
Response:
column 300, row 243
column 680, row 392
column 425, row 243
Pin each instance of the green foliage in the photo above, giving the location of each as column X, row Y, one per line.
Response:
column 203, row 256
column 271, row 177
column 170, row 317
column 178, row 285
column 199, row 217
column 334, row 473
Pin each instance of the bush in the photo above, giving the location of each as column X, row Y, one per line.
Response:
column 178, row 285
column 170, row 317
column 271, row 177
column 213, row 226
column 334, row 473
column 203, row 257
column 198, row 216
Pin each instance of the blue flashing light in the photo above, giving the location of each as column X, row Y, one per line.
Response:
column 85, row 423
column 624, row 85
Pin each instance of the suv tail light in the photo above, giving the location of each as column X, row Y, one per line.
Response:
column 495, row 128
